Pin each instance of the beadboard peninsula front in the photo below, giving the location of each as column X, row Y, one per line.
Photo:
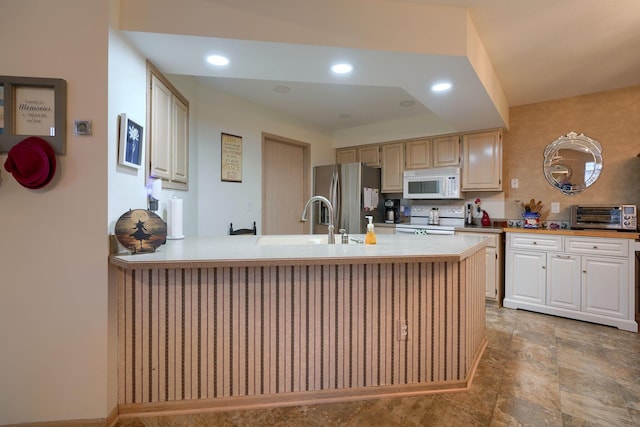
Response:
column 226, row 323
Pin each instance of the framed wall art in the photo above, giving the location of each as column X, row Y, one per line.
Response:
column 131, row 142
column 231, row 167
column 31, row 106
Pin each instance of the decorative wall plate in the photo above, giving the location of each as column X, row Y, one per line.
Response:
column 141, row 231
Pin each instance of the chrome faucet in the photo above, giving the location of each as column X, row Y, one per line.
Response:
column 330, row 235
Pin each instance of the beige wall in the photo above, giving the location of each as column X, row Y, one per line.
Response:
column 53, row 249
column 612, row 118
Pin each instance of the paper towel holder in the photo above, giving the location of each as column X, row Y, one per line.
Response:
column 174, row 220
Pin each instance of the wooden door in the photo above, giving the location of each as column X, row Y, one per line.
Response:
column 285, row 185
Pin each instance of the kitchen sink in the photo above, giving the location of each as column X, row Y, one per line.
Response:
column 315, row 239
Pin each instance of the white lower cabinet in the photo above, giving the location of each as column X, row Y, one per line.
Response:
column 584, row 278
column 527, row 277
column 604, row 286
column 564, row 279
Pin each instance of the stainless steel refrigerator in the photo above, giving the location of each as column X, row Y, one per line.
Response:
column 354, row 192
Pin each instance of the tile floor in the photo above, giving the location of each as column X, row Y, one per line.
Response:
column 537, row 370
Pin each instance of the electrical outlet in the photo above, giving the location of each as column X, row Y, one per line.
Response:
column 515, row 183
column 403, row 330
column 555, row 207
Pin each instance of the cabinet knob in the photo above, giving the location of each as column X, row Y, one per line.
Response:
column 535, row 243
column 595, row 247
column 544, row 267
column 584, row 271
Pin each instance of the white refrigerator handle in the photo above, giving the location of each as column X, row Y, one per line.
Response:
column 334, row 195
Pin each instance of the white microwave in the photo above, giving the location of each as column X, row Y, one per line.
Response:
column 435, row 183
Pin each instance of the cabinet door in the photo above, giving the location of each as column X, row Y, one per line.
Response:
column 446, row 151
column 392, row 167
column 369, row 155
column 418, row 154
column 482, row 161
column 160, row 132
column 181, row 142
column 346, row 155
column 491, row 269
column 563, row 281
column 526, row 277
column 605, row 284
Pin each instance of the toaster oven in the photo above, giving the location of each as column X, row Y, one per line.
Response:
column 612, row 217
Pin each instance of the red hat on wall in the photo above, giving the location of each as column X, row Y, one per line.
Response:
column 32, row 162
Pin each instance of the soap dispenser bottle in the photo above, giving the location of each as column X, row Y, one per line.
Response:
column 370, row 237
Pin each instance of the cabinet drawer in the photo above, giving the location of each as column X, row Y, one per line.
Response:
column 597, row 246
column 540, row 242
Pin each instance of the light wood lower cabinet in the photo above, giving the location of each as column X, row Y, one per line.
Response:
column 584, row 278
column 494, row 277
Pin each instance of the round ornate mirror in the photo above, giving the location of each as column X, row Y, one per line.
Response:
column 572, row 163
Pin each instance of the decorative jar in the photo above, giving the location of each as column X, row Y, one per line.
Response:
column 531, row 219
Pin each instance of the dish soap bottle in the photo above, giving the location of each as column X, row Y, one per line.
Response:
column 370, row 237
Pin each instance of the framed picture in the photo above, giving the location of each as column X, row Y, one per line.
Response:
column 31, row 106
column 131, row 142
column 231, row 156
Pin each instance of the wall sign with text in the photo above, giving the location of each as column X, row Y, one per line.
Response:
column 231, row 152
column 31, row 106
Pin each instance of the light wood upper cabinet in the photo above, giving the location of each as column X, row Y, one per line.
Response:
column 346, row 155
column 392, row 167
column 482, row 161
column 180, row 171
column 418, row 154
column 367, row 154
column 168, row 136
column 432, row 153
column 160, row 129
column 446, row 151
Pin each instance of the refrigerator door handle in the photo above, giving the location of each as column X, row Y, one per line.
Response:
column 334, row 195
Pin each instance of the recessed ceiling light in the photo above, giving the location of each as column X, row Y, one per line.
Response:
column 217, row 60
column 342, row 68
column 282, row 88
column 407, row 103
column 441, row 87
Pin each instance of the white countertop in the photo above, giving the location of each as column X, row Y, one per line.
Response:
column 245, row 250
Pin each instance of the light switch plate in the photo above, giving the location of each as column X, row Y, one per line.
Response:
column 555, row 207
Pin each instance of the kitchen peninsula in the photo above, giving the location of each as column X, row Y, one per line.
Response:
column 249, row 321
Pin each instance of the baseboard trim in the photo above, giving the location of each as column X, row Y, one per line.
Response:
column 97, row 422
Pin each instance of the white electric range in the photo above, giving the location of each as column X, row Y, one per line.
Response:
column 450, row 217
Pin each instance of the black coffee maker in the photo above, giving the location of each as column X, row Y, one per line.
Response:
column 391, row 210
